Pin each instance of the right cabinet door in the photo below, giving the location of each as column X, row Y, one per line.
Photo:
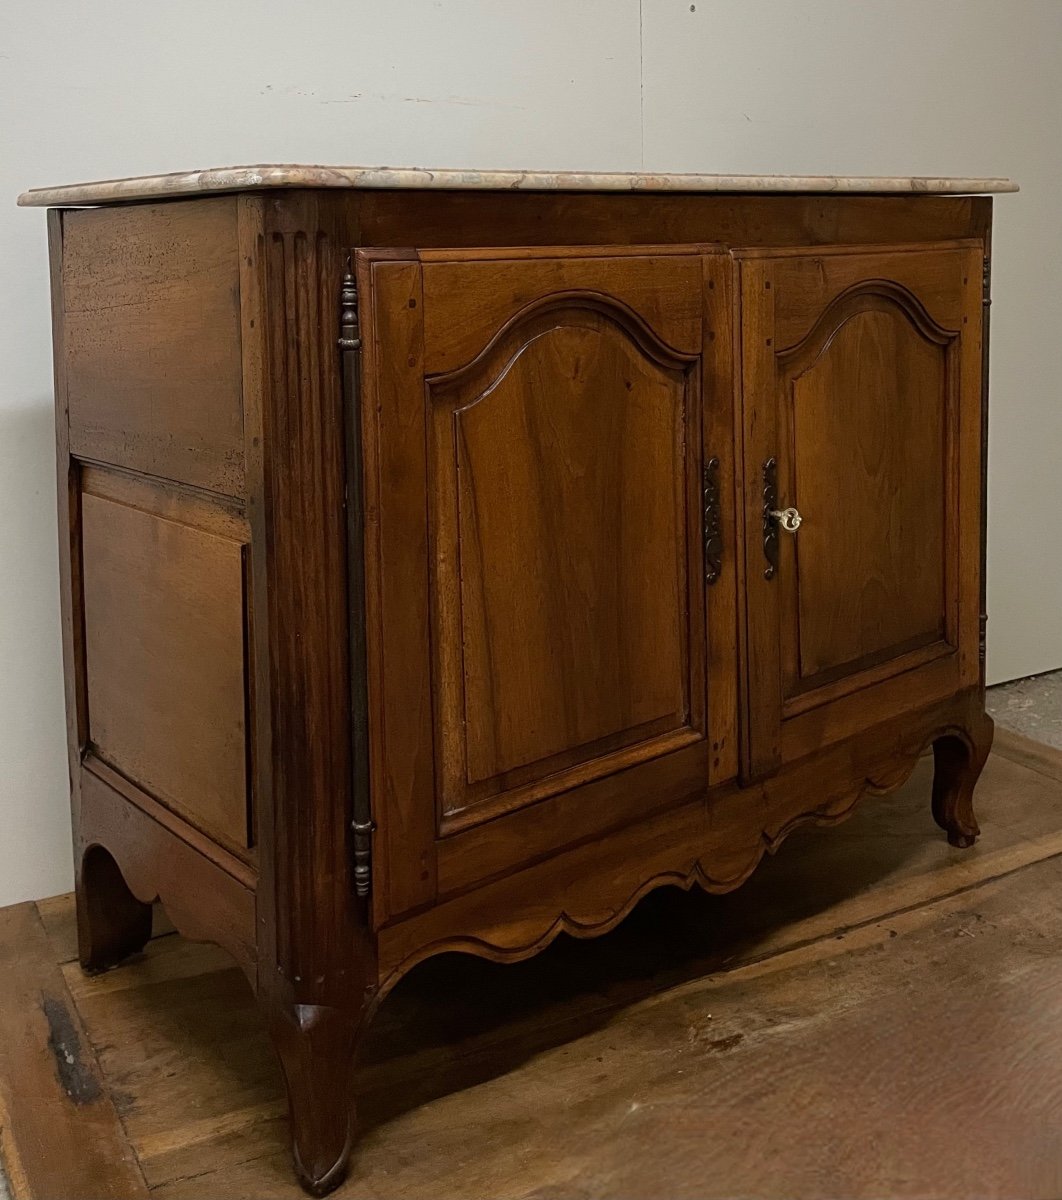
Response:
column 861, row 397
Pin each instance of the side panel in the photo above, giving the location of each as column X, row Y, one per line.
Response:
column 165, row 670
column 151, row 312
column 154, row 536
column 152, row 540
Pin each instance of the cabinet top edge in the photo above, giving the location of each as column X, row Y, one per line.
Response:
column 262, row 177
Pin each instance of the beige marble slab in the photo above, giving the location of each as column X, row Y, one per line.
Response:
column 255, row 178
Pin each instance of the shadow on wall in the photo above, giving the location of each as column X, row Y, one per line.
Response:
column 33, row 774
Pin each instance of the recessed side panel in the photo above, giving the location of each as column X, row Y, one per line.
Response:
column 164, row 659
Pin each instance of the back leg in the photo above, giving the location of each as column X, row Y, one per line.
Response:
column 112, row 923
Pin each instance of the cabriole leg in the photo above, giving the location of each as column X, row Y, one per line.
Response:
column 958, row 763
column 317, row 1047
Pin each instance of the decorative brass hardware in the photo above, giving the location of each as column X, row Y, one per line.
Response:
column 713, row 533
column 770, row 529
column 788, row 518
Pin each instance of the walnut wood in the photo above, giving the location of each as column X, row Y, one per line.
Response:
column 112, row 923
column 712, row 844
column 566, row 471
column 959, row 760
column 484, row 295
column 862, row 379
column 397, row 567
column 164, row 658
column 227, row 860
column 498, row 482
column 205, row 901
column 68, row 507
column 317, row 980
column 479, row 220
column 151, row 308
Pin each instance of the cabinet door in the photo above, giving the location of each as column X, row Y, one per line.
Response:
column 540, row 553
column 862, row 412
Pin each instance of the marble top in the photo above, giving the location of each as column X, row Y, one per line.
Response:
column 255, row 178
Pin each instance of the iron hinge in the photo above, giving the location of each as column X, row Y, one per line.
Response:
column 361, row 825
column 349, row 332
column 363, row 831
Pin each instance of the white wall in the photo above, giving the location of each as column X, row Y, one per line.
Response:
column 123, row 87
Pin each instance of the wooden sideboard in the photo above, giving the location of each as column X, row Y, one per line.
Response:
column 449, row 561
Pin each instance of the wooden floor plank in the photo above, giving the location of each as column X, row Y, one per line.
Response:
column 811, row 1034
column 61, row 1136
column 1038, row 756
column 917, row 1057
column 887, row 858
column 60, row 924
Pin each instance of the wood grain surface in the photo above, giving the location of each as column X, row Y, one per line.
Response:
column 151, row 301
column 861, row 382
column 164, row 620
column 567, row 577
column 59, row 1129
column 821, row 1033
column 483, row 651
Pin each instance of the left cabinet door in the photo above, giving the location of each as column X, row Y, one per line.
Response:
column 539, row 577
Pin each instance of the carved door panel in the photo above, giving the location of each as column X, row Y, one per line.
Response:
column 547, row 411
column 862, row 413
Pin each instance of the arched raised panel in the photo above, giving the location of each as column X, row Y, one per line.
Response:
column 861, row 393
column 564, row 457
column 881, row 295
column 866, row 416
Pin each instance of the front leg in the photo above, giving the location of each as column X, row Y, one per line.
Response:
column 317, row 1045
column 958, row 761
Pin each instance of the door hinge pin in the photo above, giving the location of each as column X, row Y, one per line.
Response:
column 349, row 332
column 363, row 831
column 362, row 824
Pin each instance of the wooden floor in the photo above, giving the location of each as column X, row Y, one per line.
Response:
column 873, row 1015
